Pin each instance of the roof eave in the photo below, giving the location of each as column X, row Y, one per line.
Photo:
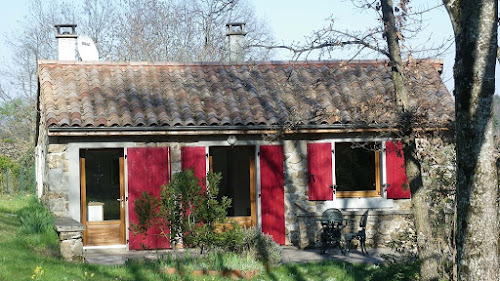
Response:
column 224, row 130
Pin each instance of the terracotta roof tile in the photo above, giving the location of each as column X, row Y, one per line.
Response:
column 110, row 94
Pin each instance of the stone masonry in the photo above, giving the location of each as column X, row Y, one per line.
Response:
column 57, row 169
column 70, row 238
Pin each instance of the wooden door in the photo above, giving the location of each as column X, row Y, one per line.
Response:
column 102, row 197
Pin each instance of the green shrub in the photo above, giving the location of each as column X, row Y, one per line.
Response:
column 185, row 212
column 36, row 218
column 262, row 247
column 233, row 261
column 144, row 207
column 6, row 162
column 232, row 238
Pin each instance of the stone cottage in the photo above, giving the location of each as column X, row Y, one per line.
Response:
column 291, row 140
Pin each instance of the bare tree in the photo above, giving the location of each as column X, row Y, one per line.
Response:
column 210, row 13
column 143, row 30
column 475, row 27
column 97, row 21
column 426, row 248
column 212, row 17
column 3, row 95
column 31, row 41
column 185, row 31
column 386, row 40
column 150, row 30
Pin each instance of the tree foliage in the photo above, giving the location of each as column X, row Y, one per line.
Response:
column 17, row 119
column 16, row 145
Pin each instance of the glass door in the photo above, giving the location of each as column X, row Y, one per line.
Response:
column 103, row 197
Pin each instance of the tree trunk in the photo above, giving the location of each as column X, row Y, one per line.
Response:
column 428, row 252
column 427, row 249
column 477, row 231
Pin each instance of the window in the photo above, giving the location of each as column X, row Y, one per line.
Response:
column 357, row 169
column 236, row 164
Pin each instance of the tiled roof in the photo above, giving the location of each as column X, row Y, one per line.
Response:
column 110, row 94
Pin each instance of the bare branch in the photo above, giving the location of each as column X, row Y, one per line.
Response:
column 3, row 95
column 327, row 44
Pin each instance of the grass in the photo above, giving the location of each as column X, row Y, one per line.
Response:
column 212, row 262
column 13, row 204
column 36, row 257
column 331, row 270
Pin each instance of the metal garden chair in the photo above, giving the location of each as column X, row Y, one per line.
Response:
column 360, row 235
column 332, row 223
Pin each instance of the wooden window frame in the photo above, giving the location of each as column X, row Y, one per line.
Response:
column 243, row 221
column 364, row 193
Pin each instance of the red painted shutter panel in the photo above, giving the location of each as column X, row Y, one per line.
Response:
column 397, row 182
column 195, row 158
column 272, row 192
column 320, row 174
column 148, row 169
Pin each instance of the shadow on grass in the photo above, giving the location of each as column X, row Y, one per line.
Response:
column 343, row 271
column 21, row 254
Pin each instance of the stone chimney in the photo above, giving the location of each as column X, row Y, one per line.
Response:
column 236, row 33
column 66, row 41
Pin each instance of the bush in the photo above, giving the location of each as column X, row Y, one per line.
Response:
column 16, row 175
column 262, row 247
column 36, row 219
column 185, row 212
column 232, row 238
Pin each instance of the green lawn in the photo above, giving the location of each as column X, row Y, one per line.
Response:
column 22, row 255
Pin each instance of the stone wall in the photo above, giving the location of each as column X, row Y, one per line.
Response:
column 57, row 195
column 383, row 227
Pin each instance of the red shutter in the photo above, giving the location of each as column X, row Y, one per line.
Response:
column 397, row 182
column 148, row 169
column 319, row 167
column 195, row 158
column 272, row 192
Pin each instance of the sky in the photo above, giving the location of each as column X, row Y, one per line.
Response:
column 292, row 20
